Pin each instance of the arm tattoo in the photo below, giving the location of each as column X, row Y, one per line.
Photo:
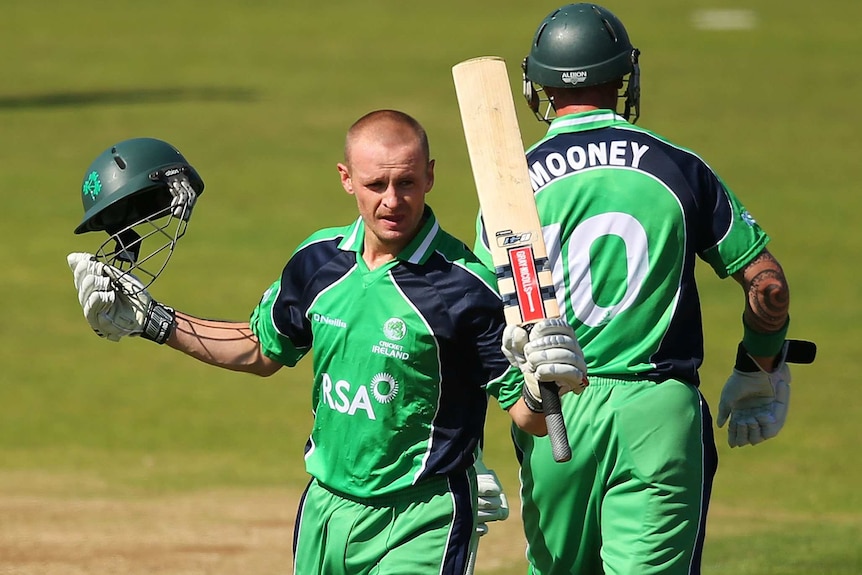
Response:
column 767, row 294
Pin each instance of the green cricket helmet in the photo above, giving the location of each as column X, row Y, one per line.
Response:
column 580, row 45
column 135, row 190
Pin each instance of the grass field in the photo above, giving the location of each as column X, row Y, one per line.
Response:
column 125, row 459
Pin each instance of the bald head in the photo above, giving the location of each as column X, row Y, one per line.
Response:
column 388, row 127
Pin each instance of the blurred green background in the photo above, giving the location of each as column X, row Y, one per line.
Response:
column 258, row 95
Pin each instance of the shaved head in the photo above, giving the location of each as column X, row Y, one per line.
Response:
column 387, row 127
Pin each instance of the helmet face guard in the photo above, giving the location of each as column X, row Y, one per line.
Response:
column 631, row 93
column 141, row 192
column 581, row 45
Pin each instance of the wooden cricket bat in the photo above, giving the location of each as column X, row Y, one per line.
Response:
column 509, row 209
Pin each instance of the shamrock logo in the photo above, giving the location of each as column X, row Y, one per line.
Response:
column 92, row 185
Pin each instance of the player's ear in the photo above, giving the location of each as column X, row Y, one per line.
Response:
column 430, row 176
column 346, row 182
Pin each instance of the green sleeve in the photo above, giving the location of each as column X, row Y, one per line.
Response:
column 507, row 389
column 741, row 243
column 480, row 248
column 273, row 344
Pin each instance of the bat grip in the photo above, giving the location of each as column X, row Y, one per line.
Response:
column 554, row 420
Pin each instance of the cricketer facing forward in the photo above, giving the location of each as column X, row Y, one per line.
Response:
column 406, row 328
column 625, row 215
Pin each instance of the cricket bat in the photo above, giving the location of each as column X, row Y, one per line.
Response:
column 509, row 211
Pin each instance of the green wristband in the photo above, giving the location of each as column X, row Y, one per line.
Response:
column 763, row 344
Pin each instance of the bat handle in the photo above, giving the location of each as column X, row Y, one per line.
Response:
column 554, row 420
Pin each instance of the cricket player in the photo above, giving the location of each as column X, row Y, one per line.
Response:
column 405, row 325
column 625, row 215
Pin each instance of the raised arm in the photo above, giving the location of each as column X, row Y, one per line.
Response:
column 117, row 305
column 230, row 345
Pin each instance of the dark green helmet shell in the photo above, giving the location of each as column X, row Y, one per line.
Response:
column 126, row 184
column 579, row 45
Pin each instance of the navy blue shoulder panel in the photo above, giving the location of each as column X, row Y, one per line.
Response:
column 310, row 270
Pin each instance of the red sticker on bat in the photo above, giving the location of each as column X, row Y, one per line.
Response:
column 527, row 283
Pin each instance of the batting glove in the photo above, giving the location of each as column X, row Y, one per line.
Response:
column 493, row 505
column 757, row 401
column 116, row 304
column 95, row 293
column 549, row 352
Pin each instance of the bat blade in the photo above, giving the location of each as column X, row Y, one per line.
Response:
column 509, row 212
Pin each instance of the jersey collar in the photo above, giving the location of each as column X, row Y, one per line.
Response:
column 592, row 120
column 417, row 251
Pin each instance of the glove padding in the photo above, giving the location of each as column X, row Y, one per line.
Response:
column 757, row 401
column 549, row 352
column 115, row 303
column 493, row 505
column 91, row 285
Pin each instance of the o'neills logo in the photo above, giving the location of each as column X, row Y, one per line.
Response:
column 526, row 283
column 574, row 77
column 333, row 321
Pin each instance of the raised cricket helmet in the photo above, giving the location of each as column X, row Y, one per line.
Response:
column 580, row 45
column 138, row 190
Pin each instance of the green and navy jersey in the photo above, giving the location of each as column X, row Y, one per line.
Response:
column 625, row 214
column 403, row 355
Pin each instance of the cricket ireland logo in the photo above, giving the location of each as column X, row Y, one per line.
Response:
column 394, row 329
column 92, row 185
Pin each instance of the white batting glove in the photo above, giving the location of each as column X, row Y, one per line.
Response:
column 549, row 353
column 104, row 295
column 755, row 401
column 86, row 272
column 95, row 293
column 493, row 505
column 515, row 338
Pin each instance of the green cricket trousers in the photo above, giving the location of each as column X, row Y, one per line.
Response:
column 633, row 499
column 422, row 530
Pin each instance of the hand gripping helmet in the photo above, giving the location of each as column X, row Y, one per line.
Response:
column 581, row 45
column 136, row 190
